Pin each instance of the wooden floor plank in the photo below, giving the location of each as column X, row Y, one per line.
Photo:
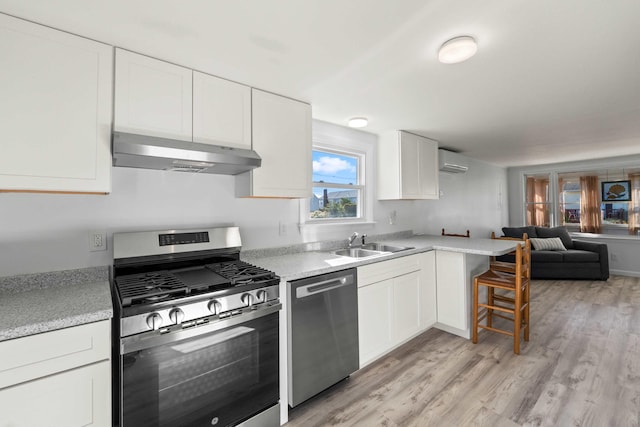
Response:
column 581, row 368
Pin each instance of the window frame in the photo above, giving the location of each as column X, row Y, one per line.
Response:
column 349, row 147
column 359, row 187
column 557, row 170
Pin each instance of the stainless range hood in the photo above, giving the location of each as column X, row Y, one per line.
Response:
column 149, row 152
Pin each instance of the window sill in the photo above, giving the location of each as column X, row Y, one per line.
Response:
column 338, row 224
column 578, row 235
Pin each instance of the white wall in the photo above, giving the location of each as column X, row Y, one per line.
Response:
column 474, row 201
column 50, row 232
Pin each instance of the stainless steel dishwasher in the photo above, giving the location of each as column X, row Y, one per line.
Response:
column 323, row 332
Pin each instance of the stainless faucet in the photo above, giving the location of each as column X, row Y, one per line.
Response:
column 353, row 237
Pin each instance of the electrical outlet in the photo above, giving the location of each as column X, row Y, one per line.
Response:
column 282, row 228
column 97, row 241
column 614, row 257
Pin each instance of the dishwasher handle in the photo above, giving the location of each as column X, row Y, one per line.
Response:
column 324, row 286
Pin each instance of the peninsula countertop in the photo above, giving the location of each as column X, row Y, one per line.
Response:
column 292, row 266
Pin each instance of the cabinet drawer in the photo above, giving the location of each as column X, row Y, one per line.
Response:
column 35, row 356
column 384, row 270
column 80, row 397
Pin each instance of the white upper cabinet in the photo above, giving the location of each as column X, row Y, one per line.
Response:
column 156, row 98
column 56, row 106
column 152, row 97
column 282, row 137
column 221, row 111
column 407, row 167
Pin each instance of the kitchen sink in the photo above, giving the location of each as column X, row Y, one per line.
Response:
column 385, row 248
column 357, row 253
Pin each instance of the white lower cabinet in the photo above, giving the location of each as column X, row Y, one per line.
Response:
column 58, row 378
column 375, row 332
column 455, row 272
column 396, row 301
column 79, row 397
column 428, row 307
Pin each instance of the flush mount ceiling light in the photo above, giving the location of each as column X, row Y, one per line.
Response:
column 457, row 49
column 358, row 122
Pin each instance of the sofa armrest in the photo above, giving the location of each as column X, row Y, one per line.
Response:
column 601, row 249
column 583, row 245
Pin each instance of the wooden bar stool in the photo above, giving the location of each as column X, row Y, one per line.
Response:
column 456, row 235
column 506, row 266
column 512, row 303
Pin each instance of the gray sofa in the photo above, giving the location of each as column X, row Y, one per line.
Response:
column 581, row 260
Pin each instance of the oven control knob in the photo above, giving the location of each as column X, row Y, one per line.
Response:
column 247, row 299
column 176, row 315
column 154, row 321
column 262, row 296
column 215, row 307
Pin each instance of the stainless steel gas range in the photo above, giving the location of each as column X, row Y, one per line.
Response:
column 195, row 331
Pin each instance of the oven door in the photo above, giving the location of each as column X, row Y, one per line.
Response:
column 216, row 374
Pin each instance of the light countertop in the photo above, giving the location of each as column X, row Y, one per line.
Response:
column 35, row 303
column 305, row 264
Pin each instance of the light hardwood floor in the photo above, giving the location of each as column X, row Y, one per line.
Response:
column 580, row 368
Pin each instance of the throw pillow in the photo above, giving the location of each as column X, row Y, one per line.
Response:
column 560, row 232
column 517, row 232
column 550, row 244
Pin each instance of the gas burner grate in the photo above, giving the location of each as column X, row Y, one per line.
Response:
column 149, row 287
column 241, row 273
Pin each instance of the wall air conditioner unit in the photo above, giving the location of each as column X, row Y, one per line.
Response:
column 452, row 162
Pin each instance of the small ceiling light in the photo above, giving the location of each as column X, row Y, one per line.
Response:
column 457, row 50
column 358, row 122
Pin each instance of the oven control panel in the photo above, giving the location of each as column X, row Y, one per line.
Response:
column 190, row 314
column 183, row 238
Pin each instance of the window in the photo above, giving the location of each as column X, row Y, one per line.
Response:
column 537, row 201
column 338, row 190
column 569, row 200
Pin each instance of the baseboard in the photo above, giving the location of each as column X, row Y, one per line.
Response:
column 455, row 331
column 625, row 273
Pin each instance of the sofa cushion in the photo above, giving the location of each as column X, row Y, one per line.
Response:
column 546, row 256
column 519, row 231
column 560, row 232
column 550, row 244
column 574, row 255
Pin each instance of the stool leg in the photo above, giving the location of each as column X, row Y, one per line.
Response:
column 517, row 318
column 526, row 311
column 474, row 332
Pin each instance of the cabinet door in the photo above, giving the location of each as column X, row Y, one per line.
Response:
column 375, row 332
column 428, row 159
column 152, row 97
column 406, row 304
column 282, row 137
column 221, row 111
column 428, row 311
column 79, row 397
column 451, row 289
column 410, row 166
column 55, row 108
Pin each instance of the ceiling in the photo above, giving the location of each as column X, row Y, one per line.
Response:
column 552, row 80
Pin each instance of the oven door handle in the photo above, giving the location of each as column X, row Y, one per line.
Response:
column 153, row 339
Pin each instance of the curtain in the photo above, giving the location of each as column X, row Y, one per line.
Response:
column 590, row 216
column 561, row 217
column 634, row 204
column 537, row 201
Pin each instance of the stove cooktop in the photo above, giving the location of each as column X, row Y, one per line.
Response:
column 166, row 285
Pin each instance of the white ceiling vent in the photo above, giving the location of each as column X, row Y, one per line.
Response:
column 452, row 162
